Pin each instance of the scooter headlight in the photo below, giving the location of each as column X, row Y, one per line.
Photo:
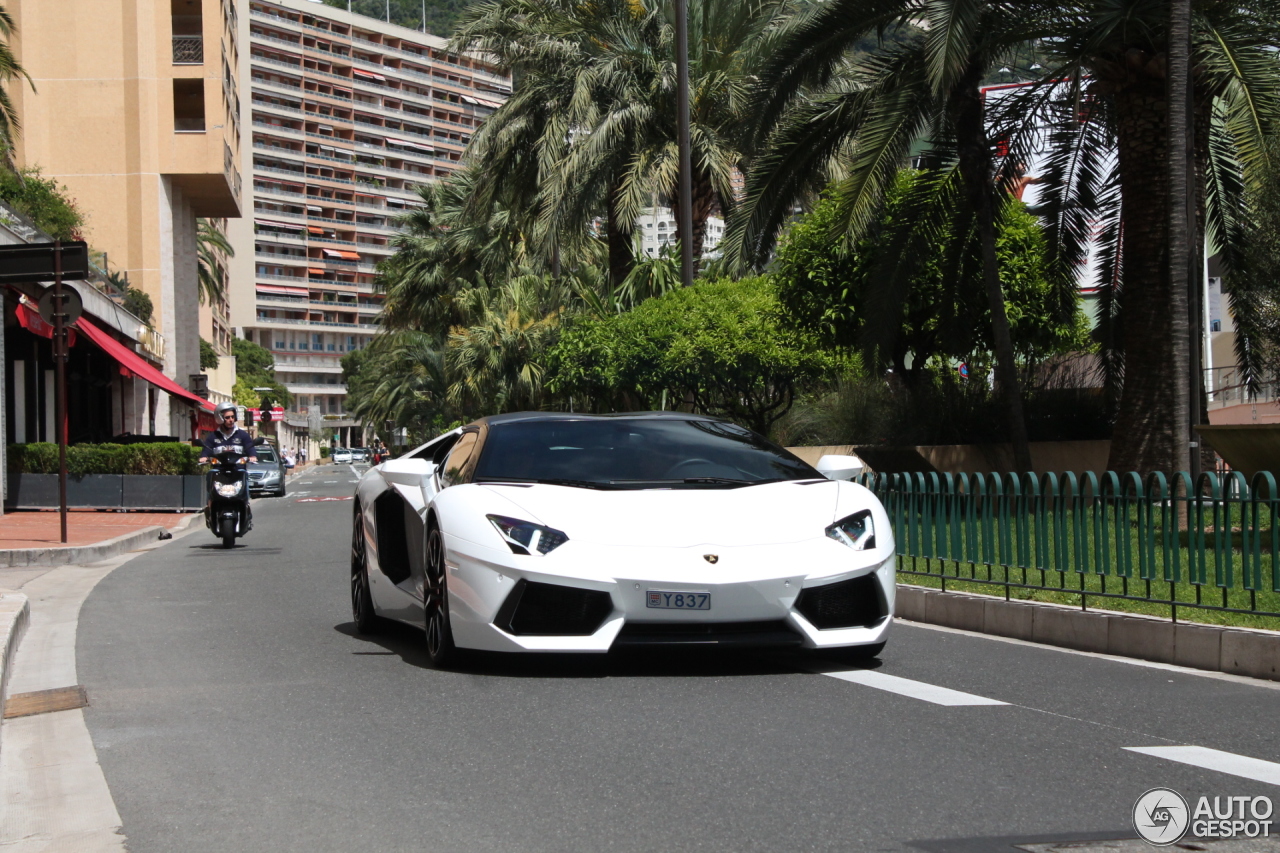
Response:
column 229, row 490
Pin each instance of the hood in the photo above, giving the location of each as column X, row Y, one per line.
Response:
column 768, row 514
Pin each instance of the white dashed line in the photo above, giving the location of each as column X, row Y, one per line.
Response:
column 906, row 687
column 1214, row 759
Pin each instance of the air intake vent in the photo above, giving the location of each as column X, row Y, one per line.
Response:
column 736, row 634
column 550, row 610
column 856, row 603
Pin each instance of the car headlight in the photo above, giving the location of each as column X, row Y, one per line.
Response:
column 857, row 531
column 271, row 475
column 524, row 537
column 229, row 490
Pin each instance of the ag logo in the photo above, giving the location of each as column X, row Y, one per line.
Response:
column 1161, row 816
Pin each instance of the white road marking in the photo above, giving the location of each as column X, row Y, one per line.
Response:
column 906, row 687
column 331, row 481
column 1215, row 759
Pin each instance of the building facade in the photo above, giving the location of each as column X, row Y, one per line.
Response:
column 135, row 108
column 657, row 227
column 347, row 115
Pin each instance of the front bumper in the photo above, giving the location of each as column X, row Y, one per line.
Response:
column 754, row 593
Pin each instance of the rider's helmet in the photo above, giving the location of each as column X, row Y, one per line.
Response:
column 222, row 408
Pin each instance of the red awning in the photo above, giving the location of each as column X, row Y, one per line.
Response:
column 35, row 324
column 136, row 363
column 368, row 74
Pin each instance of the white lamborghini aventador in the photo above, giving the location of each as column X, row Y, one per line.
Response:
column 583, row 533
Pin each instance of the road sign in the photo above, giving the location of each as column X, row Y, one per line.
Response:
column 72, row 305
column 34, row 262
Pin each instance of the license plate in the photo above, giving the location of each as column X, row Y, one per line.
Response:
column 663, row 600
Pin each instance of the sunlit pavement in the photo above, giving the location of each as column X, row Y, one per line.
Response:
column 233, row 708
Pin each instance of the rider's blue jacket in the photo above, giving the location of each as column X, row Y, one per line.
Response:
column 239, row 441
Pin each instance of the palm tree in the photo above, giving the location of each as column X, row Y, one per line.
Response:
column 824, row 111
column 401, row 380
column 10, row 69
column 594, row 80
column 212, row 251
column 1108, row 59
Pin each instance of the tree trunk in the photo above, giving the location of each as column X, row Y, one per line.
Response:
column 974, row 151
column 704, row 196
column 618, row 240
column 1183, row 294
column 1150, row 426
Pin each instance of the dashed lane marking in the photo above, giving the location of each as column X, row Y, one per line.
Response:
column 1215, row 759
column 322, row 500
column 906, row 687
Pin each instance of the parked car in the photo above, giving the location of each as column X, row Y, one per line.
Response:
column 359, row 454
column 340, row 455
column 266, row 476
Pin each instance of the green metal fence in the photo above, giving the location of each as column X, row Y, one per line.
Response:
column 1168, row 543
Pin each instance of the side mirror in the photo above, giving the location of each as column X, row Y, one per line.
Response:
column 840, row 467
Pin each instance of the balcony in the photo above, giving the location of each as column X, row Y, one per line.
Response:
column 188, row 50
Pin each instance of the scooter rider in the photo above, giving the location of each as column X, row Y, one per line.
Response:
column 228, row 437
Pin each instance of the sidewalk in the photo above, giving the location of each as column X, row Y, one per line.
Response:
column 42, row 528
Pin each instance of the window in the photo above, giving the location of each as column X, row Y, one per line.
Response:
column 188, row 105
column 455, row 465
column 188, row 32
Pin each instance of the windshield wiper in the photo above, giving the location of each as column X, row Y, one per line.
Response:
column 692, row 481
column 550, row 481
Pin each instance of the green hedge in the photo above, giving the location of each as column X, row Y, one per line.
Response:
column 160, row 458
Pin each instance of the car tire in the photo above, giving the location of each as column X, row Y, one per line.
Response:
column 362, row 611
column 435, row 603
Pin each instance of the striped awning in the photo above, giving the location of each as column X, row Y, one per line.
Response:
column 339, row 253
column 293, row 226
column 282, row 290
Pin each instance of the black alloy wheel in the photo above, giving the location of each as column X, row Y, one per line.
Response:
column 435, row 602
column 362, row 612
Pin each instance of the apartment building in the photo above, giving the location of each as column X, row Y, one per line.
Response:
column 135, row 108
column 657, row 227
column 347, row 116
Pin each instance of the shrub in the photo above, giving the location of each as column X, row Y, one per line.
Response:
column 160, row 458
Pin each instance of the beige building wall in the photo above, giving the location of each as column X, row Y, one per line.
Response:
column 344, row 116
column 135, row 109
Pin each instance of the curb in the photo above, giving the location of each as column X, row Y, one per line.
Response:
column 15, row 614
column 1239, row 651
column 82, row 554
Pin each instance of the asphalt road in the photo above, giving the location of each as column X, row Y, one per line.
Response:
column 233, row 709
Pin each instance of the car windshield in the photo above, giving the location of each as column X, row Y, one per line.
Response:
column 636, row 454
column 265, row 453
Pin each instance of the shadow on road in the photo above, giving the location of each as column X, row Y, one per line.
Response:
column 654, row 662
